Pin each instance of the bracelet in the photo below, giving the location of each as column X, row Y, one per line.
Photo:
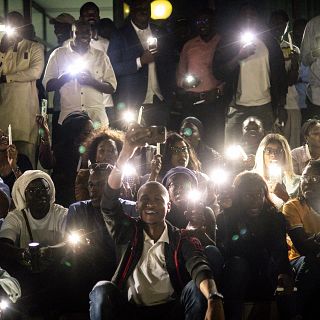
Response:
column 215, row 296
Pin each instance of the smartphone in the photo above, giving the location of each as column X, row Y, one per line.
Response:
column 152, row 44
column 44, row 107
column 158, row 135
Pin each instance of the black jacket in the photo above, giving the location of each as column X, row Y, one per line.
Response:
column 184, row 255
column 229, row 47
column 257, row 239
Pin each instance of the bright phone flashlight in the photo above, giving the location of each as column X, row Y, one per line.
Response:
column 219, row 176
column 77, row 66
column 247, row 38
column 4, row 304
column 236, row 152
column 129, row 116
column 275, row 172
column 74, row 238
column 10, row 31
column 129, row 170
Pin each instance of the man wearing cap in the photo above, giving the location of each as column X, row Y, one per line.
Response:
column 83, row 76
column 63, row 30
column 62, row 27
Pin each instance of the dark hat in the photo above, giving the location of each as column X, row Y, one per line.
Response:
column 63, row 18
column 180, row 170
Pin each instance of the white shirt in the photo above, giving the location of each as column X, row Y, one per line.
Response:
column 100, row 44
column 153, row 85
column 19, row 96
column 46, row 231
column 254, row 78
column 150, row 283
column 310, row 43
column 75, row 97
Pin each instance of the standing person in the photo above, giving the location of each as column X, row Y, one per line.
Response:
column 252, row 65
column 90, row 12
column 202, row 95
column 83, row 76
column 279, row 24
column 62, row 25
column 21, row 64
column 310, row 56
column 144, row 71
column 156, row 263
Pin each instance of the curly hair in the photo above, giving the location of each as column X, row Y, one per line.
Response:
column 103, row 134
column 172, row 139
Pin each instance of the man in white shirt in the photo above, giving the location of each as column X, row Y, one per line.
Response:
column 310, row 56
column 143, row 68
column 83, row 75
column 252, row 65
column 21, row 64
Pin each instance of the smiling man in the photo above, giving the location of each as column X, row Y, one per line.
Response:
column 156, row 260
column 83, row 76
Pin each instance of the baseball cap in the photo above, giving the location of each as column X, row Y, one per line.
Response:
column 63, row 18
column 180, row 170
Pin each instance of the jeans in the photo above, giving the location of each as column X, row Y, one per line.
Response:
column 107, row 303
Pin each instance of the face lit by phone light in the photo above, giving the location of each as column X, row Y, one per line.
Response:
column 179, row 187
column 77, row 66
column 247, row 38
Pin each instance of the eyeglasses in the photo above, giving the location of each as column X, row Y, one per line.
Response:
column 179, row 149
column 277, row 152
column 310, row 179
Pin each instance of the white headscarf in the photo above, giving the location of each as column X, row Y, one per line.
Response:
column 19, row 187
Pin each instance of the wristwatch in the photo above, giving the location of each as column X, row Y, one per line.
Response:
column 215, row 296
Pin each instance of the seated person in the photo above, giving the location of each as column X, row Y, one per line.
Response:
column 303, row 220
column 36, row 219
column 274, row 163
column 179, row 152
column 5, row 201
column 311, row 147
column 252, row 134
column 186, row 212
column 156, row 260
column 251, row 236
column 12, row 163
column 103, row 146
column 97, row 261
column 192, row 130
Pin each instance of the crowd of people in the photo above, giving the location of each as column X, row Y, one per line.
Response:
column 175, row 174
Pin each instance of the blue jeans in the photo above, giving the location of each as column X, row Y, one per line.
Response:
column 107, row 303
